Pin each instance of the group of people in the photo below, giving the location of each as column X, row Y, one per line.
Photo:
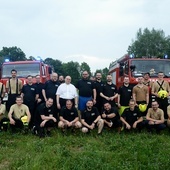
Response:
column 87, row 105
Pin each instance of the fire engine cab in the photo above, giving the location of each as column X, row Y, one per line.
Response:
column 135, row 67
column 25, row 68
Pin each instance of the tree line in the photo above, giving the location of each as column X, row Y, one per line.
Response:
column 148, row 43
column 74, row 69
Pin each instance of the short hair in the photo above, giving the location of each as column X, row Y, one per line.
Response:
column 29, row 76
column 13, row 70
column 18, row 97
column 131, row 100
column 146, row 73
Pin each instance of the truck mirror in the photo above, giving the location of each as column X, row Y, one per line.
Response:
column 121, row 71
column 132, row 68
column 49, row 70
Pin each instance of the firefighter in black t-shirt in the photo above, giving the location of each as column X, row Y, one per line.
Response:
column 131, row 117
column 111, row 117
column 45, row 118
column 91, row 118
column 109, row 92
column 68, row 116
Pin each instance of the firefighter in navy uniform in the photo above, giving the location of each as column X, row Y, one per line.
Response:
column 50, row 89
column 13, row 88
column 99, row 86
column 109, row 92
column 30, row 96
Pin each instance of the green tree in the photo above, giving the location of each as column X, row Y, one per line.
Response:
column 72, row 69
column 55, row 64
column 12, row 53
column 85, row 67
column 148, row 43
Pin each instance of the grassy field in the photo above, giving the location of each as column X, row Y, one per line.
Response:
column 110, row 150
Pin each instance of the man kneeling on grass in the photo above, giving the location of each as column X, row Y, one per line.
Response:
column 155, row 118
column 68, row 117
column 131, row 117
column 111, row 117
column 45, row 118
column 16, row 112
column 90, row 118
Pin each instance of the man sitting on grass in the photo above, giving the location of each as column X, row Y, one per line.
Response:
column 91, row 118
column 16, row 112
column 68, row 117
column 111, row 117
column 45, row 118
column 131, row 117
column 155, row 118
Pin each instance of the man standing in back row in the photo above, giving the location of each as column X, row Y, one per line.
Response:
column 13, row 88
column 86, row 89
column 157, row 86
column 109, row 92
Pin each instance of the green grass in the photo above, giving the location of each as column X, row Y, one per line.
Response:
column 123, row 151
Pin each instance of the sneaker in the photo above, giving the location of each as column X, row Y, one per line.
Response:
column 34, row 131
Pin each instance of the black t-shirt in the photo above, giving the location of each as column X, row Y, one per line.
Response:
column 29, row 92
column 43, row 110
column 109, row 90
column 131, row 116
column 112, row 110
column 68, row 114
column 125, row 95
column 99, row 88
column 90, row 116
column 50, row 88
column 85, row 87
column 39, row 87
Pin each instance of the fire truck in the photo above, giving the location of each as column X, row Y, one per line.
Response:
column 135, row 67
column 25, row 68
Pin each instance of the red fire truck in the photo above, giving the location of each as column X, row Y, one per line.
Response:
column 25, row 68
column 135, row 67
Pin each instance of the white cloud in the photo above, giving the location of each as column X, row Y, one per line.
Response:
column 99, row 29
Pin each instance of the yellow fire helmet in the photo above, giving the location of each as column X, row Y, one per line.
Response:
column 162, row 94
column 142, row 107
column 24, row 119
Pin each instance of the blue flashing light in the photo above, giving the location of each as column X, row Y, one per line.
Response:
column 38, row 58
column 131, row 55
column 165, row 56
column 7, row 60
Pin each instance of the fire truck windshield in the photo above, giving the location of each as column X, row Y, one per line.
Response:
column 151, row 66
column 23, row 70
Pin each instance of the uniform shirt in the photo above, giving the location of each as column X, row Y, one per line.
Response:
column 29, row 92
column 112, row 110
column 19, row 111
column 131, row 116
column 50, row 88
column 90, row 116
column 140, row 92
column 12, row 86
column 2, row 111
column 109, row 89
column 2, row 89
column 66, row 91
column 43, row 110
column 125, row 93
column 156, row 87
column 39, row 87
column 85, row 88
column 99, row 87
column 68, row 114
column 155, row 114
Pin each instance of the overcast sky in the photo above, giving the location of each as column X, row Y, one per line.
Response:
column 92, row 31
